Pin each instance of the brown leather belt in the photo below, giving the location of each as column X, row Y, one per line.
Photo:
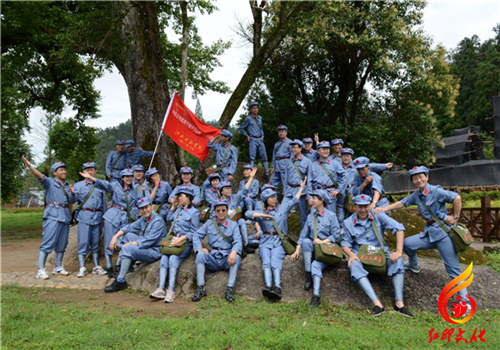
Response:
column 324, row 187
column 116, row 169
column 256, row 137
column 430, row 222
column 91, row 209
column 280, row 158
column 58, row 204
column 271, row 233
column 118, row 207
column 294, row 185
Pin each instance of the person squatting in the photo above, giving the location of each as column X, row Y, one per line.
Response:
column 340, row 200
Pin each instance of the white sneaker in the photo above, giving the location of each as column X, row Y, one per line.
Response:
column 158, row 294
column 98, row 270
column 60, row 271
column 42, row 274
column 169, row 298
column 82, row 272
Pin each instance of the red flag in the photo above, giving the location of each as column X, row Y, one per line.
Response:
column 184, row 127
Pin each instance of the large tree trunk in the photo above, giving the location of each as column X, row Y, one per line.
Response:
column 141, row 65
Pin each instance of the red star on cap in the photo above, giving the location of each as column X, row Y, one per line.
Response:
column 220, row 199
column 185, row 168
column 362, row 197
column 357, row 161
column 414, row 168
column 128, row 170
column 142, row 200
column 345, row 149
column 61, row 162
column 88, row 163
column 336, row 139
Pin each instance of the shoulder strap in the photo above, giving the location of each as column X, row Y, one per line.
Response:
column 114, row 164
column 86, row 198
column 66, row 194
column 273, row 222
column 255, row 121
column 282, row 142
column 225, row 155
column 175, row 219
column 315, row 227
column 221, row 233
column 329, row 174
column 377, row 233
column 128, row 206
column 436, row 219
column 298, row 171
column 145, row 228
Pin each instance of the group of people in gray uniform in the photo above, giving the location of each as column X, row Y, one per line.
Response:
column 340, row 200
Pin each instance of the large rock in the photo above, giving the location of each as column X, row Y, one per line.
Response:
column 421, row 291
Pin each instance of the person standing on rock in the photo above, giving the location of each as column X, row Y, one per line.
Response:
column 273, row 217
column 252, row 129
column 431, row 198
column 366, row 229
column 328, row 175
column 324, row 225
column 186, row 175
column 185, row 222
column 282, row 152
column 92, row 204
column 135, row 154
column 56, row 216
column 116, row 162
column 123, row 199
column 225, row 240
column 144, row 237
column 297, row 168
column 309, row 152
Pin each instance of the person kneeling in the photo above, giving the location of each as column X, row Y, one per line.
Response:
column 145, row 247
column 225, row 239
column 363, row 231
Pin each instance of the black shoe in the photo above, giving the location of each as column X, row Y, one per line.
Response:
column 199, row 293
column 111, row 274
column 116, row 287
column 243, row 253
column 315, row 301
column 131, row 268
column 275, row 293
column 309, row 281
column 266, row 292
column 229, row 294
column 117, row 269
column 377, row 311
column 403, row 311
column 249, row 250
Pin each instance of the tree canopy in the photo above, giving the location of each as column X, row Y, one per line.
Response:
column 362, row 71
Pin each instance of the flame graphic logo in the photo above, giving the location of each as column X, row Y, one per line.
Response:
column 459, row 308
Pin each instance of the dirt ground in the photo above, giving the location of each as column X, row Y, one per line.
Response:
column 21, row 256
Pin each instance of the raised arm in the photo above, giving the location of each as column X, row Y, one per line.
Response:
column 34, row 171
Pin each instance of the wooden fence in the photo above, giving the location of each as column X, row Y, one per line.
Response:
column 483, row 222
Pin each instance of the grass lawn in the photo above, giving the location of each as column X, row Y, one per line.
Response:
column 21, row 223
column 30, row 321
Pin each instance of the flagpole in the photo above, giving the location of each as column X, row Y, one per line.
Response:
column 162, row 126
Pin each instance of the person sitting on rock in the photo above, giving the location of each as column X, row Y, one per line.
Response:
column 359, row 229
column 123, row 200
column 158, row 191
column 225, row 240
column 323, row 224
column 435, row 198
column 212, row 192
column 142, row 246
column 185, row 222
column 186, row 175
column 271, row 251
column 235, row 201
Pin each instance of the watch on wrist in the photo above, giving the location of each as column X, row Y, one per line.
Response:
column 456, row 217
